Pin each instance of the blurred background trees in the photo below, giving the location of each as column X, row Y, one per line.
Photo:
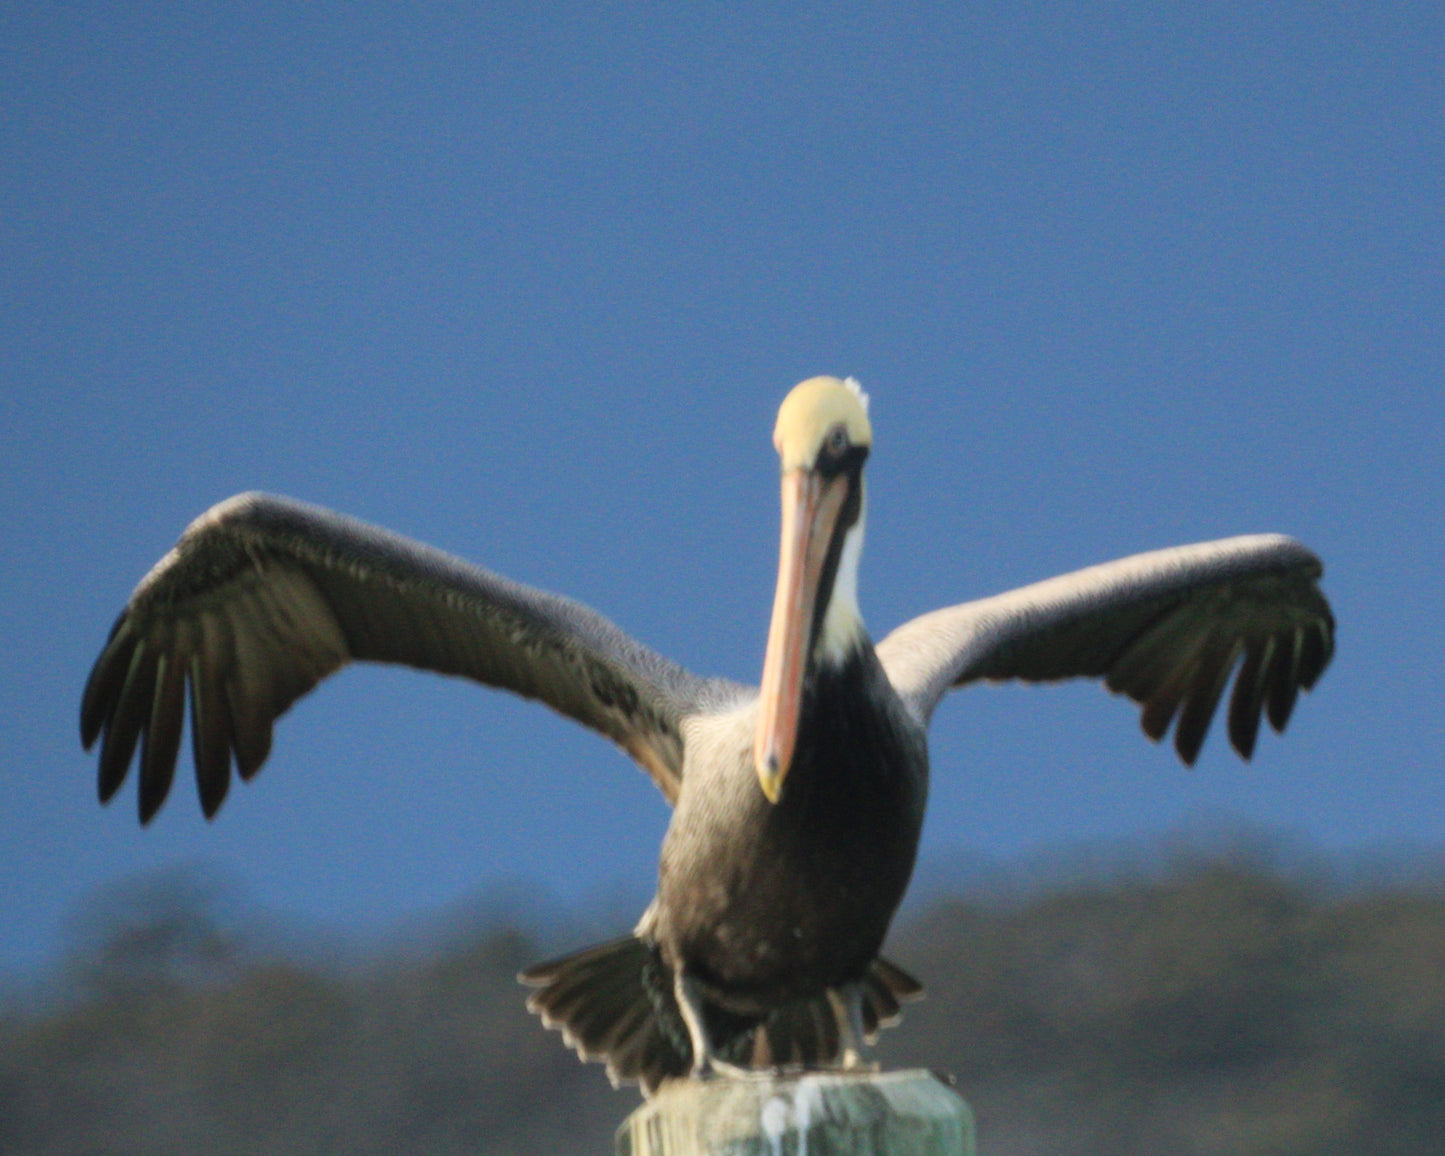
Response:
column 1223, row 1002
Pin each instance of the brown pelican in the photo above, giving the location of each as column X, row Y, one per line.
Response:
column 797, row 805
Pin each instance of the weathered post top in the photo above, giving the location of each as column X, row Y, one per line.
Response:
column 804, row 1114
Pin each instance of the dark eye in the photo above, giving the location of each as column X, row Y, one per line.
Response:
column 837, row 443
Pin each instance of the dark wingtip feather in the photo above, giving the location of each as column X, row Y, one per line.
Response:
column 210, row 740
column 1246, row 702
column 113, row 766
column 1194, row 722
column 1284, row 681
column 1187, row 748
column 125, row 723
column 1204, row 693
column 153, row 789
column 1243, row 731
column 149, row 802
column 1162, row 701
column 161, row 739
column 252, row 748
column 1281, row 706
column 1317, row 649
column 103, row 687
column 1156, row 716
column 250, row 728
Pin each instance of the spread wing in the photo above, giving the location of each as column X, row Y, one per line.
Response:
column 1166, row 628
column 263, row 597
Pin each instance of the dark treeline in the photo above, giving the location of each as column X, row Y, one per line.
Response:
column 1213, row 1003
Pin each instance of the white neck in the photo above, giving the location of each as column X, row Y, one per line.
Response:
column 842, row 623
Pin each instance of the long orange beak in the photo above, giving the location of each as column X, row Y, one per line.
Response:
column 810, row 513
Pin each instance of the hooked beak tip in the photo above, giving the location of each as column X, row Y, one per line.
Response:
column 770, row 777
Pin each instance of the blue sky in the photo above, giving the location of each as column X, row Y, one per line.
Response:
column 528, row 283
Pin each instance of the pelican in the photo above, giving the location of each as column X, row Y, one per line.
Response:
column 797, row 805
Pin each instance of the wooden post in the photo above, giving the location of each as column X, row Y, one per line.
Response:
column 804, row 1114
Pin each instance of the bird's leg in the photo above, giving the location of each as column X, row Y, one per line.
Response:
column 704, row 1060
column 691, row 1008
column 847, row 1005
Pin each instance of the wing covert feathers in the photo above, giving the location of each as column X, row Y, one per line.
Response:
column 1167, row 628
column 263, row 597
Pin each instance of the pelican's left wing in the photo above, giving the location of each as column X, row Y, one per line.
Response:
column 1166, row 628
column 265, row 596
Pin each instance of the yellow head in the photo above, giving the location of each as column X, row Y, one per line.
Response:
column 812, row 416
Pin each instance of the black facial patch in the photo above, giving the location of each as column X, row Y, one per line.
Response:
column 831, row 463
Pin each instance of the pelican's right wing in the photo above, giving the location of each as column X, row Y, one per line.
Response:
column 263, row 597
column 1165, row 628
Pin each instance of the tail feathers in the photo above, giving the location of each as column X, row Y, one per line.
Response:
column 886, row 987
column 614, row 1003
column 802, row 1034
column 806, row 1033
